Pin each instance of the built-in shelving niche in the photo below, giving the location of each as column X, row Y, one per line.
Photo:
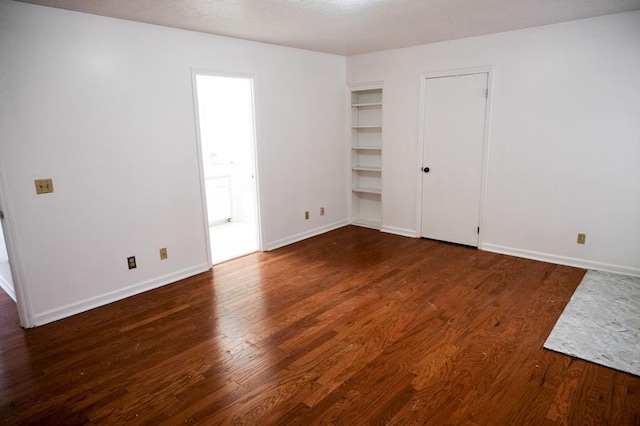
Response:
column 366, row 156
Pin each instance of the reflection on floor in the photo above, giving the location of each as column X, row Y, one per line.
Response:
column 231, row 240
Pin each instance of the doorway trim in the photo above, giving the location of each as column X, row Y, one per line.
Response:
column 490, row 71
column 23, row 301
column 254, row 148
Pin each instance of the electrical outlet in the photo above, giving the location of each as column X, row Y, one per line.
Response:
column 132, row 262
column 321, row 211
column 44, row 186
column 582, row 238
column 163, row 253
column 306, row 215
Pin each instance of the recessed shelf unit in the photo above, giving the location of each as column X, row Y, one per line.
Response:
column 366, row 156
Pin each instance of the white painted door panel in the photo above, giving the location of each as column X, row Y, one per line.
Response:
column 454, row 123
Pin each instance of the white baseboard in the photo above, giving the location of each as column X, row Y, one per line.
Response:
column 93, row 302
column 304, row 235
column 561, row 260
column 8, row 289
column 399, row 231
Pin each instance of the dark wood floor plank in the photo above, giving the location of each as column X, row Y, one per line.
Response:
column 351, row 327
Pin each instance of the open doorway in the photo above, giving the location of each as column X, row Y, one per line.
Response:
column 227, row 140
column 6, row 280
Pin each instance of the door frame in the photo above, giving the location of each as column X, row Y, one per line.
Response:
column 23, row 301
column 489, row 70
column 254, row 149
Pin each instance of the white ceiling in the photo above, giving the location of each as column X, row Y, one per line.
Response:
column 347, row 27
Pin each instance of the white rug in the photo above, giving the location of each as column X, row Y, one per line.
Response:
column 601, row 322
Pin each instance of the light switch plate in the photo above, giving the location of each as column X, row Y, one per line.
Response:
column 44, row 186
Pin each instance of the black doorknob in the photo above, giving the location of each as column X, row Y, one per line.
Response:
column 425, row 169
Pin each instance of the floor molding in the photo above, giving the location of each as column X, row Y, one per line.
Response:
column 304, row 235
column 104, row 299
column 561, row 260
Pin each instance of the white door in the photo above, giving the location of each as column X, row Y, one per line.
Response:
column 454, row 123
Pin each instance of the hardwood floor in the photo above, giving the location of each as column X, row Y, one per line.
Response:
column 351, row 327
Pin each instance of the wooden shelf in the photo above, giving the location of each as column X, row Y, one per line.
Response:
column 367, row 168
column 367, row 104
column 371, row 148
column 367, row 96
column 367, row 127
column 368, row 190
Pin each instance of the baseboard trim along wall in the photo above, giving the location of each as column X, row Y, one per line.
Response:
column 304, row 235
column 562, row 260
column 114, row 296
column 411, row 233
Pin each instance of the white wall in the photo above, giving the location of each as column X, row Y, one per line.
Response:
column 564, row 142
column 105, row 108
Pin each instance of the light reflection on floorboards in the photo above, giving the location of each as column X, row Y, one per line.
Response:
column 232, row 239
